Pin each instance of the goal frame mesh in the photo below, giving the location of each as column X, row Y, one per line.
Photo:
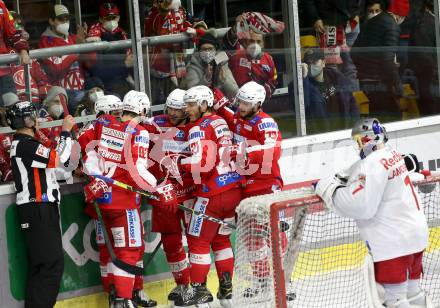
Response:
column 300, row 203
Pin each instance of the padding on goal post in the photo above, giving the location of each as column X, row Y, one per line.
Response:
column 290, row 252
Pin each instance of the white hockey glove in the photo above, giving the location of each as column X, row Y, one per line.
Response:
column 326, row 188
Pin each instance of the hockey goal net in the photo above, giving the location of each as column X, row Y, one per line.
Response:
column 290, row 252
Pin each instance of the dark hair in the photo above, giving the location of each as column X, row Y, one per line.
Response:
column 129, row 113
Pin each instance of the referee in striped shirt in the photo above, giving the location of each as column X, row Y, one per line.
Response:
column 38, row 197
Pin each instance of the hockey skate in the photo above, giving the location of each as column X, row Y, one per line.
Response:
column 142, row 300
column 123, row 303
column 224, row 293
column 111, row 296
column 197, row 295
column 174, row 293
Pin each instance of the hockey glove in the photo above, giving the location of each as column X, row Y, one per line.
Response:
column 95, row 190
column 411, row 163
column 326, row 188
column 167, row 197
column 220, row 100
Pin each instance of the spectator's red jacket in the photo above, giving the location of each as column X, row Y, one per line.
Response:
column 98, row 33
column 9, row 36
column 263, row 140
column 156, row 25
column 262, row 71
column 5, row 160
column 39, row 82
column 62, row 71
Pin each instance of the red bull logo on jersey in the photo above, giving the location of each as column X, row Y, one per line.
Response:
column 197, row 135
column 388, row 163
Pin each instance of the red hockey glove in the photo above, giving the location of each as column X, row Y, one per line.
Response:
column 95, row 189
column 220, row 100
column 167, row 197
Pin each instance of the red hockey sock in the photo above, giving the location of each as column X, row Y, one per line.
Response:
column 224, row 257
column 176, row 257
column 105, row 266
column 200, row 258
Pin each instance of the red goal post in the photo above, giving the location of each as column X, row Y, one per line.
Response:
column 291, row 252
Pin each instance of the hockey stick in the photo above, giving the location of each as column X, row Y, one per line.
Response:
column 151, row 196
column 153, row 254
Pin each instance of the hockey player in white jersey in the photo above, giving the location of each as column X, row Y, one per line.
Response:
column 377, row 193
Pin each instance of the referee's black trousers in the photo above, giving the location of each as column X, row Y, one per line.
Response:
column 40, row 223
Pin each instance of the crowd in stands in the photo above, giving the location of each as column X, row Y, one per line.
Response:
column 355, row 53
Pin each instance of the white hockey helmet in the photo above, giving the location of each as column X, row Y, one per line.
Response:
column 199, row 94
column 175, row 99
column 368, row 133
column 136, row 102
column 251, row 92
column 108, row 103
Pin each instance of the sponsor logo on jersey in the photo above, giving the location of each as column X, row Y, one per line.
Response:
column 254, row 120
column 228, row 178
column 160, row 120
column 175, row 146
column 180, row 134
column 103, row 121
column 221, row 131
column 196, row 223
column 118, row 236
column 109, row 155
column 131, row 130
column 106, row 198
column 205, row 123
column 111, row 143
column 44, row 197
column 266, row 68
column 133, row 226
column 42, row 151
column 265, row 125
column 197, row 135
column 238, row 129
column 247, row 127
column 99, row 233
column 113, row 133
column 141, row 139
column 217, row 122
column 239, row 138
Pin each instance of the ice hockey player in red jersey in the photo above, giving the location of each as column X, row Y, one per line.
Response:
column 376, row 191
column 217, row 194
column 170, row 144
column 122, row 154
column 258, row 135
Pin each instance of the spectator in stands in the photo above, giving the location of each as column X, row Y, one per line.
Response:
column 327, row 95
column 253, row 64
column 39, row 82
column 64, row 71
column 10, row 38
column 203, row 68
column 336, row 24
column 373, row 8
column 112, row 67
column 167, row 60
column 374, row 54
column 94, row 88
column 424, row 62
column 54, row 108
column 5, row 160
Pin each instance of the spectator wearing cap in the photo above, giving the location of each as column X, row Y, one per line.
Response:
column 328, row 101
column 94, row 88
column 64, row 71
column 167, row 60
column 112, row 67
column 10, row 38
column 374, row 54
column 38, row 78
column 254, row 64
column 209, row 67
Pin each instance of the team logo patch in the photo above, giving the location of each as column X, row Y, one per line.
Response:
column 118, row 236
column 180, row 134
column 266, row 68
column 205, row 123
column 221, row 131
column 103, row 121
column 195, row 226
column 254, row 120
column 134, row 228
column 245, row 63
column 42, row 151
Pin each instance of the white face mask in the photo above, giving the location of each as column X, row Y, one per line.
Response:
column 63, row 28
column 371, row 15
column 95, row 95
column 207, row 56
column 110, row 25
column 253, row 50
column 56, row 110
column 315, row 69
column 175, row 5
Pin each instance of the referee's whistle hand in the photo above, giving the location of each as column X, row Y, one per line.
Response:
column 68, row 123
